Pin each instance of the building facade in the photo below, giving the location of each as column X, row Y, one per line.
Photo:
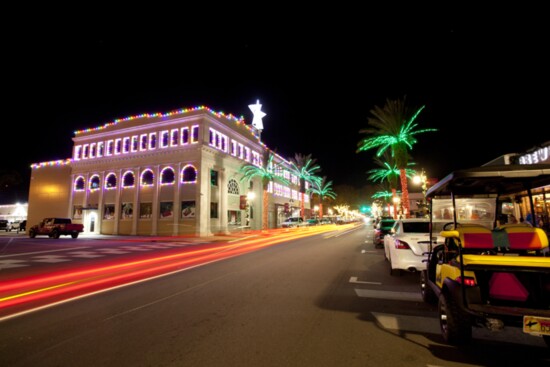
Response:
column 162, row 174
column 521, row 205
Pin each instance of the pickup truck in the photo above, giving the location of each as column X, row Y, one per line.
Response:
column 56, row 227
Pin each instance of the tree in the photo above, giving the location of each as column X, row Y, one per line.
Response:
column 390, row 174
column 303, row 167
column 323, row 189
column 266, row 172
column 385, row 195
column 393, row 127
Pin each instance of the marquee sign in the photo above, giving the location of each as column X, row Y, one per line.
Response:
column 537, row 156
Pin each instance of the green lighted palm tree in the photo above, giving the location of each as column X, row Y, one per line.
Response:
column 394, row 128
column 385, row 195
column 390, row 174
column 266, row 171
column 303, row 167
column 323, row 189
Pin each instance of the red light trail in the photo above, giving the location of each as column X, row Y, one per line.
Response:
column 18, row 296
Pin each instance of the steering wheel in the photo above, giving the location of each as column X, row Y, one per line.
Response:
column 450, row 225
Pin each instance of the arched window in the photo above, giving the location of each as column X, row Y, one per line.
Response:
column 167, row 176
column 79, row 184
column 110, row 181
column 128, row 179
column 94, row 183
column 189, row 174
column 233, row 187
column 147, row 177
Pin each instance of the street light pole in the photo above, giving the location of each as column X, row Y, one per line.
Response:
column 422, row 180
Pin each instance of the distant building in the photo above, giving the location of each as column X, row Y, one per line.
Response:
column 13, row 212
column 162, row 174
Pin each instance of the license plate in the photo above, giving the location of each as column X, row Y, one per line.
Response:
column 536, row 325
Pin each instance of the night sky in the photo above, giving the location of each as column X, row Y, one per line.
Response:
column 483, row 82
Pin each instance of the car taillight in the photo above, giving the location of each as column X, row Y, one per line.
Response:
column 467, row 281
column 401, row 245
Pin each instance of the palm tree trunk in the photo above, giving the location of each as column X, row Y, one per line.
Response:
column 405, row 192
column 302, row 206
column 321, row 209
column 394, row 201
column 265, row 205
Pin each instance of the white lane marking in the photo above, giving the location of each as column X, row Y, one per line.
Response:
column 409, row 323
column 400, row 296
column 44, row 252
column 50, row 259
column 111, row 251
column 135, row 248
column 6, row 264
column 85, row 254
column 354, row 280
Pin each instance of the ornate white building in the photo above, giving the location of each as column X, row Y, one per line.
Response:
column 161, row 174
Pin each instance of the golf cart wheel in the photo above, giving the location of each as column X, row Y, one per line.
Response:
column 455, row 325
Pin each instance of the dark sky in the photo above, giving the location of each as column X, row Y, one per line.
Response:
column 483, row 82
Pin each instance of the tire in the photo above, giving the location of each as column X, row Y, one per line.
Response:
column 56, row 234
column 74, row 235
column 455, row 325
column 32, row 234
column 426, row 291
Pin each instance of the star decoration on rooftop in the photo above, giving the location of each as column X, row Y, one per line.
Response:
column 258, row 115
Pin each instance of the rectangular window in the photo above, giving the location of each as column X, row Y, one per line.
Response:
column 152, row 141
column 255, row 158
column 92, row 150
column 213, row 177
column 145, row 210
column 184, row 135
column 135, row 143
column 77, row 212
column 77, row 152
column 143, row 142
column 211, row 137
column 100, row 149
column 164, row 138
column 195, row 134
column 126, row 145
column 233, row 147
column 166, row 209
column 240, row 151
column 234, row 217
column 118, row 146
column 127, row 210
column 213, row 210
column 109, row 211
column 110, row 148
column 188, row 209
column 175, row 137
column 247, row 154
column 85, row 151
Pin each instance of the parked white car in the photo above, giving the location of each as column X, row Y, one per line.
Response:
column 293, row 222
column 406, row 247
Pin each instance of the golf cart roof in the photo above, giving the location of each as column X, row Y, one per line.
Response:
column 501, row 179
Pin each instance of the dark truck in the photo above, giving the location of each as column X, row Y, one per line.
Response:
column 488, row 273
column 56, row 227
